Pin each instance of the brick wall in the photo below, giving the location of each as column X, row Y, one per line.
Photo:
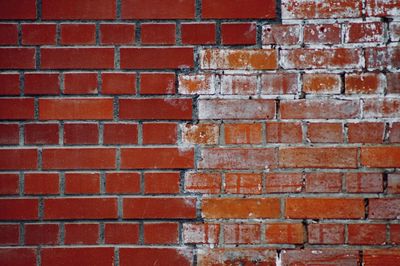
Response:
column 199, row 132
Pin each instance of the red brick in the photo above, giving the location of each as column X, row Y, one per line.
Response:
column 326, row 234
column 321, row 83
column 167, row 233
column 279, row 83
column 237, row 158
column 19, row 209
column 41, row 183
column 367, row 234
column 157, row 83
column 82, row 133
column 382, row 57
column 9, row 134
column 158, row 9
column 284, row 132
column 161, row 182
column 233, row 109
column 201, row 233
column 41, row 83
column 18, row 256
column 41, row 234
column 318, row 157
column 40, row 133
column 80, row 208
column 161, row 208
column 79, row 158
column 18, row 159
column 393, row 82
column 384, row 208
column 121, row 233
column 238, row 9
column 24, row 9
column 303, row 58
column 100, row 256
column 365, row 32
column 382, row 8
column 242, row 233
column 82, row 183
column 236, row 208
column 284, row 183
column 81, row 234
column 324, row 208
column 383, row 157
column 158, row 33
column 198, row 33
column 240, row 59
column 322, row 34
column 325, row 132
column 376, row 257
column 320, row 109
column 157, row 58
column 153, row 255
column 9, row 184
column 238, row 33
column 394, row 133
column 382, row 108
column 367, row 132
column 284, row 233
column 309, row 9
column 197, row 84
column 9, row 234
column 243, row 133
column 76, row 108
column 320, row 257
column 39, row 33
column 114, row 34
column 395, row 233
column 77, row 58
column 9, row 84
column 153, row 158
column 83, row 34
column 78, row 9
column 393, row 185
column 156, row 108
column 365, row 83
column 200, row 133
column 205, row 183
column 159, row 133
column 243, row 183
column 281, row 34
column 80, row 83
column 8, row 34
column 118, row 83
column 17, row 108
column 228, row 256
column 239, row 84
column 122, row 183
column 323, row 182
column 17, row 58
column 117, row 133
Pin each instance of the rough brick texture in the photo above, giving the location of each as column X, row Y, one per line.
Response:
column 200, row 132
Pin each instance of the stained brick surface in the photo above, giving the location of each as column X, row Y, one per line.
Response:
column 199, row 132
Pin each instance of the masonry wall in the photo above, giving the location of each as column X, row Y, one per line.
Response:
column 199, row 132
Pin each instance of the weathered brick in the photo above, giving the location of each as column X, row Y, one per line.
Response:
column 237, row 158
column 236, row 109
column 230, row 208
column 324, row 208
column 318, row 157
column 246, row 59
